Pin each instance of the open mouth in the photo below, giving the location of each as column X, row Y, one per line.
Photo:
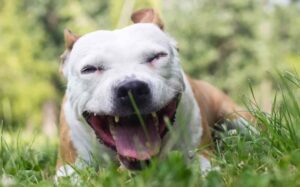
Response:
column 135, row 138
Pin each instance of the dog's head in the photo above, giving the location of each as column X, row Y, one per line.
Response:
column 126, row 85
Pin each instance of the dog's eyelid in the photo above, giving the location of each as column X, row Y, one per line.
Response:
column 156, row 56
column 162, row 54
column 91, row 69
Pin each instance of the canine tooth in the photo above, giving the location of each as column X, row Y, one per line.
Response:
column 154, row 114
column 117, row 118
column 95, row 114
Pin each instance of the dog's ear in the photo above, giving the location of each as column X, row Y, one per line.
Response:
column 70, row 39
column 147, row 15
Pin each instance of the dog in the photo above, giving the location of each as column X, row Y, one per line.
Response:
column 129, row 101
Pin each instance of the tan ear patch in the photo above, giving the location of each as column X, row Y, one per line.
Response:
column 70, row 39
column 147, row 16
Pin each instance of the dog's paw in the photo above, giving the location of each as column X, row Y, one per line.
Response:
column 67, row 171
column 205, row 165
column 234, row 127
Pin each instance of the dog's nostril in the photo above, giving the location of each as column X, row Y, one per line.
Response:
column 137, row 88
column 122, row 92
column 140, row 92
column 142, row 89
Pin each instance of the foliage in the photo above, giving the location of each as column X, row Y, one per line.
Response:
column 227, row 43
column 26, row 77
column 287, row 38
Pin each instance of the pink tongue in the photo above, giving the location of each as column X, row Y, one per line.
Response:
column 134, row 141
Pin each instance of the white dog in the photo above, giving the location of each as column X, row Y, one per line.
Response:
column 128, row 99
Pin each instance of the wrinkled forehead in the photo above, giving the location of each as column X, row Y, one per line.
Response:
column 136, row 36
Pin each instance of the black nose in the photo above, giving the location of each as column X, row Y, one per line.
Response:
column 139, row 90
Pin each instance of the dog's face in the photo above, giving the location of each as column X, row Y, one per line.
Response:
column 126, row 85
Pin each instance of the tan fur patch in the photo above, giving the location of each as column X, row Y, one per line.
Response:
column 67, row 153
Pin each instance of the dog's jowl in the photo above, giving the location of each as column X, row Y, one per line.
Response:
column 129, row 101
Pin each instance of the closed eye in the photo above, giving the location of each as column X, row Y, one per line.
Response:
column 90, row 69
column 156, row 57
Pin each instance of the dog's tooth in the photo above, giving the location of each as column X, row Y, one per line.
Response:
column 154, row 114
column 95, row 114
column 112, row 133
column 117, row 118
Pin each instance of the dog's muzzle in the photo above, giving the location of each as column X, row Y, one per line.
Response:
column 135, row 136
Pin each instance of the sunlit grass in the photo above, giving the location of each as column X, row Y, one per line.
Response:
column 271, row 158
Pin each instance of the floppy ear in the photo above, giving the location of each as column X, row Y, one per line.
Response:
column 70, row 39
column 147, row 15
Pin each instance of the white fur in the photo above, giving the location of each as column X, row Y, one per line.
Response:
column 244, row 127
column 67, row 171
column 121, row 53
column 205, row 165
column 187, row 131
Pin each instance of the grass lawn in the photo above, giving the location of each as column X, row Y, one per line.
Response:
column 270, row 159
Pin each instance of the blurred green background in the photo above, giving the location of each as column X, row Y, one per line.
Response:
column 230, row 43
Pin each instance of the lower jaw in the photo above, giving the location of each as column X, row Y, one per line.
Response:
column 130, row 163
column 134, row 165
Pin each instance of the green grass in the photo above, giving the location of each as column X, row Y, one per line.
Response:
column 270, row 159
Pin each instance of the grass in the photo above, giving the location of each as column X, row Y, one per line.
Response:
column 270, row 159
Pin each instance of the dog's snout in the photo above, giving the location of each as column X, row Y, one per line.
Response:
column 139, row 90
column 136, row 88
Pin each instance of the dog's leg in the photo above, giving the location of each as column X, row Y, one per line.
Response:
column 67, row 153
column 205, row 165
column 217, row 107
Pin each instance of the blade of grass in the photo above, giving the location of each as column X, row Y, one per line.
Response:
column 138, row 113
